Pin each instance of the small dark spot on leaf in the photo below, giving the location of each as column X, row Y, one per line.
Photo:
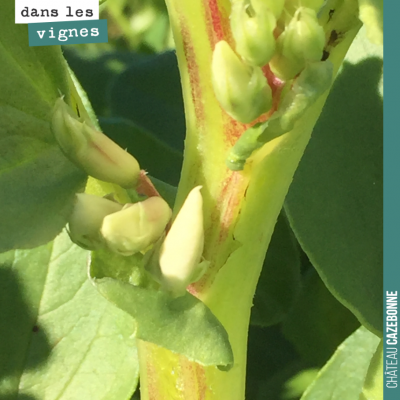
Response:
column 35, row 328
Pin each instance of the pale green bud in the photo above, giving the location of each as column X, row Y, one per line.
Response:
column 304, row 37
column 136, row 226
column 181, row 252
column 253, row 31
column 87, row 217
column 302, row 41
column 91, row 150
column 242, row 91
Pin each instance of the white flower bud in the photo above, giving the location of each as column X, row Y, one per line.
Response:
column 87, row 217
column 91, row 150
column 136, row 226
column 181, row 252
column 242, row 91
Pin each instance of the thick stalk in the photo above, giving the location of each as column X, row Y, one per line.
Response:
column 241, row 208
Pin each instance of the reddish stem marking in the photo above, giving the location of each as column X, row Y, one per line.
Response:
column 201, row 380
column 213, row 22
column 194, row 76
column 197, row 386
column 233, row 130
column 232, row 196
column 152, row 376
column 217, row 23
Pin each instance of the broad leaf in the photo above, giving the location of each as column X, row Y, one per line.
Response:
column 59, row 339
column 342, row 377
column 183, row 325
column 373, row 385
column 37, row 183
column 335, row 202
column 279, row 281
column 318, row 323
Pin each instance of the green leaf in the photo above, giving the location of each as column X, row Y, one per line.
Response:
column 335, row 202
column 371, row 14
column 279, row 281
column 183, row 325
column 157, row 158
column 373, row 385
column 149, row 94
column 342, row 377
column 37, row 183
column 59, row 339
column 318, row 323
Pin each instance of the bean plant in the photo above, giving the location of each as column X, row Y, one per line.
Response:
column 193, row 211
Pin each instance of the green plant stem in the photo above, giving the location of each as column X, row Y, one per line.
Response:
column 240, row 208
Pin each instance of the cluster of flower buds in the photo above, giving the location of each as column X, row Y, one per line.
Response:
column 87, row 217
column 301, row 42
column 284, row 34
column 311, row 83
column 98, row 222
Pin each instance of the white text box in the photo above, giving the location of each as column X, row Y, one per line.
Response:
column 31, row 11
